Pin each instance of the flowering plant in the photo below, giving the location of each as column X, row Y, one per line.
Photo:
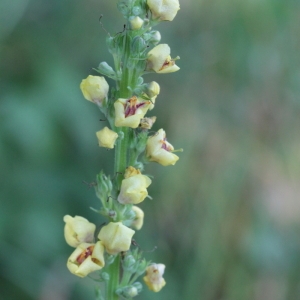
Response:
column 135, row 52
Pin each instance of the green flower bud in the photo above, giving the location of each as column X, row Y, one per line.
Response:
column 123, row 8
column 153, row 37
column 138, row 45
column 105, row 69
column 105, row 276
column 129, row 263
column 140, row 81
column 138, row 286
column 142, row 267
column 127, row 292
column 136, row 10
column 103, row 187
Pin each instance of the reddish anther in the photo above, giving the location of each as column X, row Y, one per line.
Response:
column 85, row 254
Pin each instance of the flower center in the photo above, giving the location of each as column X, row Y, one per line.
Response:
column 131, row 106
column 166, row 146
column 168, row 63
column 85, row 254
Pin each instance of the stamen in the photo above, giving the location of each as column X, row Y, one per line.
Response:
column 85, row 254
column 167, row 63
column 131, row 106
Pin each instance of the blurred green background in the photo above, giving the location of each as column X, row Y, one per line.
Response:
column 226, row 218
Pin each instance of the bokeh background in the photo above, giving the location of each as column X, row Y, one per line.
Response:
column 226, row 218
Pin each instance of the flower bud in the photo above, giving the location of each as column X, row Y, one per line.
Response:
column 129, row 112
column 86, row 258
column 159, row 150
column 106, row 69
column 131, row 171
column 138, row 286
column 153, row 37
column 137, row 10
column 106, row 138
column 116, row 237
column 147, row 123
column 153, row 278
column 78, row 230
column 138, row 46
column 127, row 292
column 103, row 187
column 128, row 263
column 160, row 61
column 134, row 189
column 139, row 218
column 136, row 22
column 105, row 276
column 152, row 89
column 94, row 89
column 164, row 10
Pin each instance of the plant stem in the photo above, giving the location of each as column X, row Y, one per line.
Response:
column 121, row 159
column 113, row 280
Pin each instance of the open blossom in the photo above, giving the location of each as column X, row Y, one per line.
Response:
column 133, row 187
column 153, row 278
column 86, row 258
column 106, row 137
column 160, row 61
column 165, row 10
column 78, row 230
column 129, row 112
column 94, row 89
column 116, row 237
column 159, row 150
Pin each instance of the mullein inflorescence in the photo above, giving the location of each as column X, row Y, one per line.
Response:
column 113, row 252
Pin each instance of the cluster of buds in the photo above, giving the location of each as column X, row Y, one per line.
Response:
column 126, row 108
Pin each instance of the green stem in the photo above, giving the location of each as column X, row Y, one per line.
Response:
column 121, row 160
column 121, row 155
column 113, row 282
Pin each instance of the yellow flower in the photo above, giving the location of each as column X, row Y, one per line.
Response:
column 134, row 189
column 153, row 89
column 78, row 230
column 86, row 258
column 129, row 112
column 159, row 150
column 165, row 10
column 153, row 278
column 136, row 22
column 131, row 171
column 139, row 218
column 106, row 138
column 116, row 237
column 94, row 89
column 160, row 61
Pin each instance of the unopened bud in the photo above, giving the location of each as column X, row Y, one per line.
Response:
column 138, row 45
column 147, row 123
column 138, row 286
column 136, row 10
column 106, row 69
column 154, row 37
column 152, row 89
column 136, row 22
column 128, row 263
